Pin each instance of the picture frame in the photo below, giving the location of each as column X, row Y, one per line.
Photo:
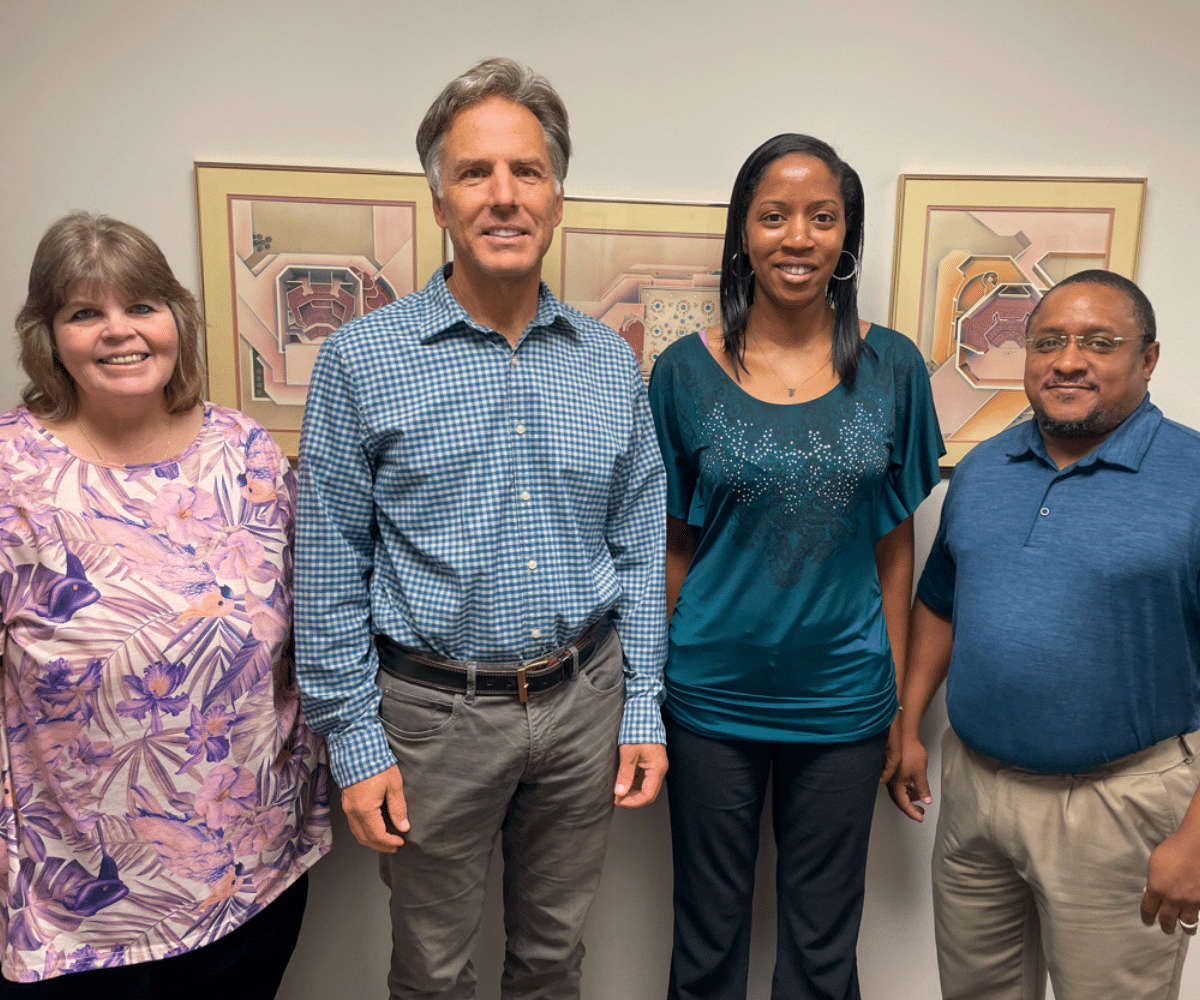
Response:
column 972, row 257
column 649, row 269
column 288, row 254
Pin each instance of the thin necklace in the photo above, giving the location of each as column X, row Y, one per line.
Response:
column 791, row 390
column 100, row 454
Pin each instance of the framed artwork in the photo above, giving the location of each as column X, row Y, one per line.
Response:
column 973, row 256
column 650, row 270
column 289, row 254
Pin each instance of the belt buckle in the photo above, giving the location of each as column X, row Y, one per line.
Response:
column 522, row 687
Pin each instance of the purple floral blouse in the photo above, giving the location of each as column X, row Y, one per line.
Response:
column 159, row 786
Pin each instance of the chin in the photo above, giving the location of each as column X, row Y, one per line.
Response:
column 1090, row 425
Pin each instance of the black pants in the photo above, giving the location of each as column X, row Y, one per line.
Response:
column 246, row 964
column 824, row 796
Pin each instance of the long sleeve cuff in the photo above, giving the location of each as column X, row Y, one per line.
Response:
column 359, row 752
column 642, row 722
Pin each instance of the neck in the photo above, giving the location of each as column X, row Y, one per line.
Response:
column 505, row 305
column 780, row 328
column 1068, row 451
column 125, row 431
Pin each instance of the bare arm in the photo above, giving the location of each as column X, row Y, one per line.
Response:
column 894, row 563
column 682, row 540
column 930, row 641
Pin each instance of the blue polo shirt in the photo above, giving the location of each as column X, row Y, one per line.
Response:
column 1074, row 593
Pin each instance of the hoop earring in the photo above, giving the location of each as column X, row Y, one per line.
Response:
column 853, row 270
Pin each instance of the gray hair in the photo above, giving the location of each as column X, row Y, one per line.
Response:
column 495, row 78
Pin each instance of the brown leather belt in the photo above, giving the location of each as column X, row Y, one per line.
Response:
column 520, row 677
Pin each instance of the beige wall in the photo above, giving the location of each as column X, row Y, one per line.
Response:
column 107, row 104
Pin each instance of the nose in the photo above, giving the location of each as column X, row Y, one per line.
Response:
column 799, row 233
column 118, row 323
column 1071, row 358
column 504, row 189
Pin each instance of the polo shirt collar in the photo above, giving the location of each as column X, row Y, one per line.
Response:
column 443, row 312
column 1124, row 448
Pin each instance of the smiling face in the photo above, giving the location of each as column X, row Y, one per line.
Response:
column 113, row 348
column 1078, row 396
column 794, row 233
column 499, row 201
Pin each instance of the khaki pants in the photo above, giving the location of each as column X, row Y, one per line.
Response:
column 541, row 775
column 1035, row 873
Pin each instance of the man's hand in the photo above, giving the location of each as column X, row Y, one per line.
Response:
column 1172, row 892
column 639, row 774
column 910, row 784
column 376, row 810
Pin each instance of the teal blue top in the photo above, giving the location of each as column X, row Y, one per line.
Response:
column 778, row 633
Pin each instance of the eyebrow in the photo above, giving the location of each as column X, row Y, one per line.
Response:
column 823, row 202
column 484, row 163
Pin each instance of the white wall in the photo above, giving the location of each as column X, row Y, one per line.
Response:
column 107, row 104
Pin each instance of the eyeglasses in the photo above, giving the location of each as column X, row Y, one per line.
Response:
column 1093, row 343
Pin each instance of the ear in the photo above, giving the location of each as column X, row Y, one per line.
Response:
column 438, row 214
column 1149, row 360
column 558, row 207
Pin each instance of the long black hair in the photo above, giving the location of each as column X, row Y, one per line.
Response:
column 737, row 279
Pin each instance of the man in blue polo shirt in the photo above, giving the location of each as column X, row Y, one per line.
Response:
column 1061, row 602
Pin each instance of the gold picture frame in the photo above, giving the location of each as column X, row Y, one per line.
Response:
column 288, row 254
column 972, row 257
column 649, row 269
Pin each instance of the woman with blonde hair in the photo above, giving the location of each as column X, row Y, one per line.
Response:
column 163, row 800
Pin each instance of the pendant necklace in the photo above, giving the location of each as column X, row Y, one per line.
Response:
column 105, row 461
column 791, row 390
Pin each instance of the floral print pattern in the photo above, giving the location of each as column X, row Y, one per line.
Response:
column 159, row 786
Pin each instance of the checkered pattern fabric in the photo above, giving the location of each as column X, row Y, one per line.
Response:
column 474, row 500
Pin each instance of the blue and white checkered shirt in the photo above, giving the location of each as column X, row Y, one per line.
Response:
column 475, row 500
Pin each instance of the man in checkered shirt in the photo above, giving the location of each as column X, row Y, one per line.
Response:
column 480, row 612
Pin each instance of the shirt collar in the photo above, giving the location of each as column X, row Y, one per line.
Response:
column 1124, row 448
column 445, row 314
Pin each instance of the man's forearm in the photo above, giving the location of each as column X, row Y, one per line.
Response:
column 930, row 643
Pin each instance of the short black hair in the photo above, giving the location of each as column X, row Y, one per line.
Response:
column 1143, row 311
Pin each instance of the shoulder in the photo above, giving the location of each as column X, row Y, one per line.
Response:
column 1175, row 452
column 22, row 441
column 391, row 325
column 685, row 351
column 679, row 361
column 243, row 433
column 15, row 422
column 596, row 336
column 1180, row 435
column 989, row 458
column 894, row 348
column 395, row 327
column 235, row 422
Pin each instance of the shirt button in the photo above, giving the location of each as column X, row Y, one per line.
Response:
column 520, row 428
column 512, row 360
column 536, row 633
column 1044, row 511
column 525, row 495
column 532, row 564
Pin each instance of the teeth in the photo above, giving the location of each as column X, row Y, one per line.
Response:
column 124, row 359
column 795, row 269
column 504, row 232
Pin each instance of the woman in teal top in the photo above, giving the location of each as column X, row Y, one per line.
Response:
column 798, row 441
